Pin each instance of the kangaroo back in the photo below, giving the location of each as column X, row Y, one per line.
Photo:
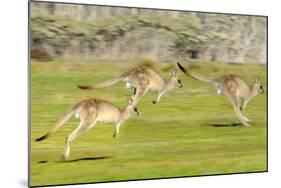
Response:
column 60, row 123
column 102, row 85
column 188, row 73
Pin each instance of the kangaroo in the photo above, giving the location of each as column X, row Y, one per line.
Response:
column 142, row 80
column 234, row 88
column 90, row 112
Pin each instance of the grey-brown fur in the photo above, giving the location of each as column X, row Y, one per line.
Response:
column 142, row 80
column 90, row 112
column 234, row 88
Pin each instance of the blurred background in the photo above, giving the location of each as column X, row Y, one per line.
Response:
column 99, row 32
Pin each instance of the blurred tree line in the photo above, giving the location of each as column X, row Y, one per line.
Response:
column 90, row 32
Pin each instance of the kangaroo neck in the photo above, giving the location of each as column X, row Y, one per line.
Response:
column 168, row 86
column 159, row 86
column 252, row 93
column 123, row 115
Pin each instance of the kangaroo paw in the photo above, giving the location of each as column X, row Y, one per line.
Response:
column 249, row 121
column 246, row 119
column 246, row 124
column 64, row 158
column 115, row 135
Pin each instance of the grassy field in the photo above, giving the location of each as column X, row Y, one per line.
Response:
column 189, row 133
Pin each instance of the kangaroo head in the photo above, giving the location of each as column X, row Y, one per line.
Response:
column 257, row 85
column 131, row 109
column 175, row 80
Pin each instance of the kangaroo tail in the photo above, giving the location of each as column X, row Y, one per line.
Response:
column 101, row 85
column 59, row 124
column 188, row 73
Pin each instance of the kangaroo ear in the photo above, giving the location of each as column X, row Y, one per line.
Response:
column 174, row 73
column 256, row 79
column 130, row 102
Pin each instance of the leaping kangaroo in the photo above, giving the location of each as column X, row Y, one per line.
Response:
column 90, row 112
column 142, row 80
column 234, row 88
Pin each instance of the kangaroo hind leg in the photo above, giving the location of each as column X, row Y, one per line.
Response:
column 83, row 126
column 236, row 104
column 140, row 92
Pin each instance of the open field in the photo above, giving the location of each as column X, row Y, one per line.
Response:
column 189, row 133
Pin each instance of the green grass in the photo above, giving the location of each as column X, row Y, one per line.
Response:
column 188, row 133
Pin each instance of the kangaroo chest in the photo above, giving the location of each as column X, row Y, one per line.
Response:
column 108, row 115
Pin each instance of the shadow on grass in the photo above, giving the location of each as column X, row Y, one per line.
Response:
column 84, row 159
column 41, row 162
column 224, row 124
column 79, row 159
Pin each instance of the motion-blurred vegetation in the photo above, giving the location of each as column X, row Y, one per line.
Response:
column 126, row 33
